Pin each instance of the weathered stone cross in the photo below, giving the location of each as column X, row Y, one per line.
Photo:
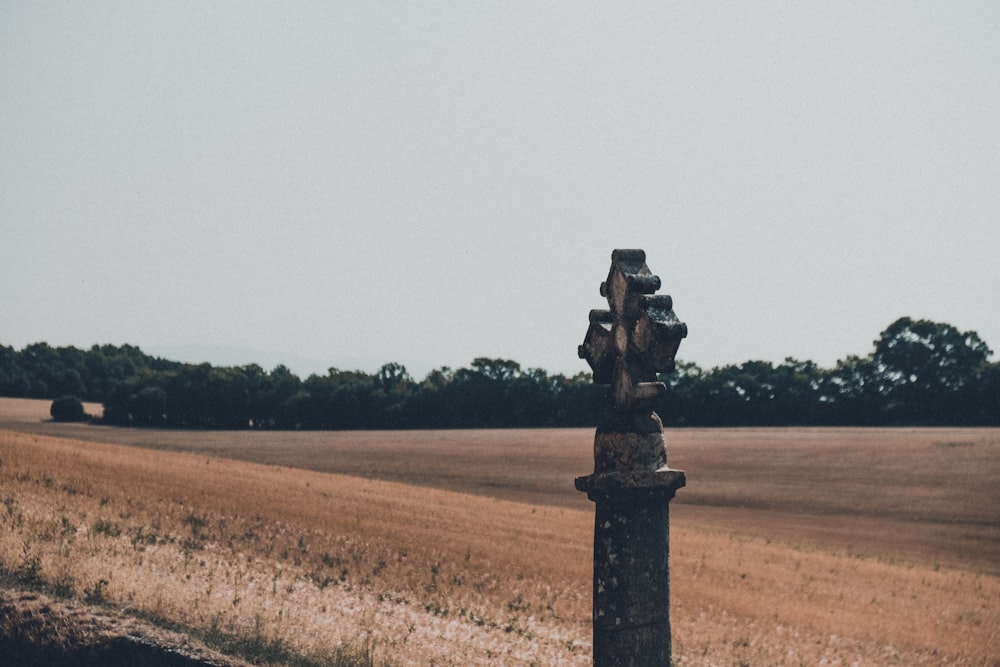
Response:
column 626, row 347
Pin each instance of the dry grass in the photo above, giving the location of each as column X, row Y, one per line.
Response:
column 790, row 546
column 316, row 559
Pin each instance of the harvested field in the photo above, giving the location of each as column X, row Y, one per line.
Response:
column 789, row 546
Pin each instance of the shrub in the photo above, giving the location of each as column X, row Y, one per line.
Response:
column 67, row 409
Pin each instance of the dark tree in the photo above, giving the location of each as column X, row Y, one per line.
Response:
column 920, row 372
column 67, row 409
column 849, row 393
column 149, row 407
column 924, row 369
column 14, row 381
column 985, row 400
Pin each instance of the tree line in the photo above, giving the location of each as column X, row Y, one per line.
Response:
column 919, row 373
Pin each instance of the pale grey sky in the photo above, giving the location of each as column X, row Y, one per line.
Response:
column 347, row 184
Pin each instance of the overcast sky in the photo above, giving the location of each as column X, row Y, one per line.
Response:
column 347, row 184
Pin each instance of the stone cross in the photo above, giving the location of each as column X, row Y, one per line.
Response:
column 627, row 346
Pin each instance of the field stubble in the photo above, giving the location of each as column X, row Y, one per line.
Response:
column 790, row 546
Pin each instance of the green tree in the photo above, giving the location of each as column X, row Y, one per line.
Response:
column 13, row 379
column 53, row 371
column 578, row 401
column 67, row 409
column 426, row 405
column 148, row 407
column 924, row 369
column 340, row 400
column 481, row 395
column 986, row 397
column 850, row 393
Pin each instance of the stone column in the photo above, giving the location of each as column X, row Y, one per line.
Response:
column 631, row 484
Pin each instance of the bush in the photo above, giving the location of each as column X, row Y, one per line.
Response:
column 67, row 409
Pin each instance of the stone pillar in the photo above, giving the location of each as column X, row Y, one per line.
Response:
column 631, row 485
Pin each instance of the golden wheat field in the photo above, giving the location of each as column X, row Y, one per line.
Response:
column 788, row 546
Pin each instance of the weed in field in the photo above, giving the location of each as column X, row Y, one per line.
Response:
column 106, row 528
column 64, row 584
column 29, row 570
column 96, row 594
